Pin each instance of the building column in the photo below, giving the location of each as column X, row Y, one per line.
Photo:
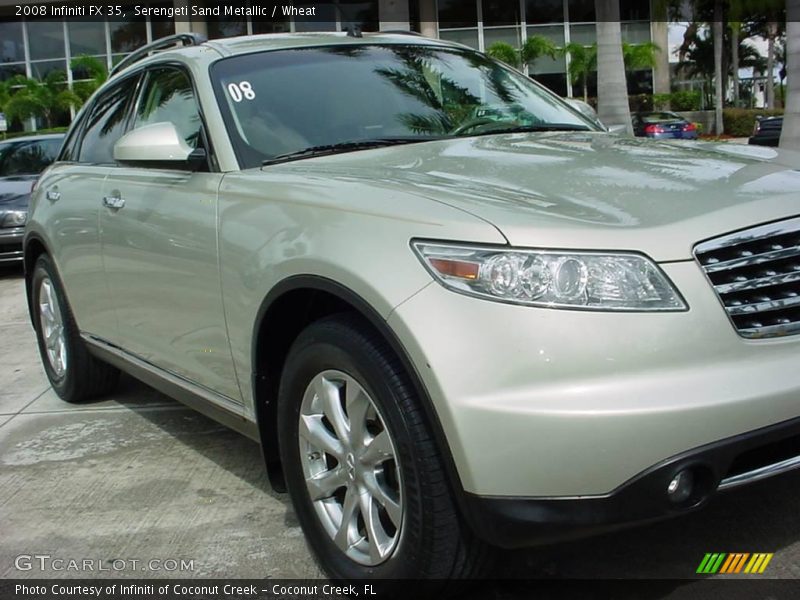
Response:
column 394, row 15
column 659, row 33
column 188, row 24
column 428, row 19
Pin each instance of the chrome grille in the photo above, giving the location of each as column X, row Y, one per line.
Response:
column 756, row 274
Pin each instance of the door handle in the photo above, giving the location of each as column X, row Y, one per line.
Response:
column 113, row 202
column 53, row 195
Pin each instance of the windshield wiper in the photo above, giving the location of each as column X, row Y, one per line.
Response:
column 533, row 128
column 342, row 147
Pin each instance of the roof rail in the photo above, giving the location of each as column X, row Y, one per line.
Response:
column 183, row 39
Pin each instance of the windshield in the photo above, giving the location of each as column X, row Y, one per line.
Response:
column 5, row 148
column 661, row 117
column 286, row 102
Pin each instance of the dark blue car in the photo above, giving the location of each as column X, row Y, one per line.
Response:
column 662, row 125
column 21, row 161
column 767, row 131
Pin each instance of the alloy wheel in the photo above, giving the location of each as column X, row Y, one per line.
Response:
column 52, row 326
column 351, row 468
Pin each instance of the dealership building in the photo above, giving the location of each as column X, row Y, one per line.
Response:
column 33, row 44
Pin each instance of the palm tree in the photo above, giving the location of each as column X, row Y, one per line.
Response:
column 790, row 134
column 582, row 62
column 736, row 32
column 612, row 86
column 768, row 22
column 718, row 29
column 90, row 73
column 534, row 48
column 504, row 52
column 43, row 99
column 639, row 56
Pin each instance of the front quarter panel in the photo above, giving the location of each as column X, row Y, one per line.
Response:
column 281, row 222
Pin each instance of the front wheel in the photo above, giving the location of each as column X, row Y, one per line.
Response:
column 74, row 374
column 365, row 474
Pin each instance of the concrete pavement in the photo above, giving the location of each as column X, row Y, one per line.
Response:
column 138, row 477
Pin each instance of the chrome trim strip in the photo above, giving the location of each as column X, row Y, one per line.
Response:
column 224, row 402
column 754, row 284
column 750, row 235
column 755, row 260
column 761, row 307
column 771, row 330
column 759, row 474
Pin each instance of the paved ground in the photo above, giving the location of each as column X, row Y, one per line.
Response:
column 137, row 476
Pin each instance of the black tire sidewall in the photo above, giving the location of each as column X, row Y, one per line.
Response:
column 64, row 385
column 308, row 358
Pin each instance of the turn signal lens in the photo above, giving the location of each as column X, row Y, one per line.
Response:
column 455, row 268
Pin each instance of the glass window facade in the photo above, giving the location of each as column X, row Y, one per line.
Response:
column 481, row 23
column 457, row 13
column 12, row 48
column 544, row 11
column 87, row 37
column 36, row 47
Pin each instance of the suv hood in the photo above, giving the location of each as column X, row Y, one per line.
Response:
column 587, row 190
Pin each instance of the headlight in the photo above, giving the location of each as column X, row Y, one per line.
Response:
column 552, row 279
column 15, row 218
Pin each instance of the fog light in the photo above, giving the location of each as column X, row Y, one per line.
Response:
column 681, row 487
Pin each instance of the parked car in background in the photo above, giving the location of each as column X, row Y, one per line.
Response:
column 663, row 125
column 767, row 131
column 21, row 161
column 456, row 313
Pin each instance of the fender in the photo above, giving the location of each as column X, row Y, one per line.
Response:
column 262, row 398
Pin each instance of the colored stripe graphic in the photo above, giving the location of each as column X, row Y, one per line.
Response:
column 721, row 562
column 758, row 563
column 711, row 563
column 734, row 563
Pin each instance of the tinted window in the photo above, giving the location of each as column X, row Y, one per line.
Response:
column 71, row 147
column 106, row 123
column 169, row 97
column 28, row 158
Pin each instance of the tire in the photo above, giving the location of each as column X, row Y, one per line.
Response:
column 74, row 374
column 340, row 361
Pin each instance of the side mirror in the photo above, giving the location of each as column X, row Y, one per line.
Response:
column 156, row 143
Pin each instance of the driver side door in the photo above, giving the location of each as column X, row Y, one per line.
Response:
column 159, row 237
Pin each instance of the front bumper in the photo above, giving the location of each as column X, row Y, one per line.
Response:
column 765, row 140
column 673, row 135
column 721, row 466
column 541, row 403
column 11, row 244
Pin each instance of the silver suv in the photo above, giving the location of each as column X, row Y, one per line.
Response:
column 455, row 312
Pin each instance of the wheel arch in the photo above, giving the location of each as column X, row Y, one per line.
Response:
column 288, row 308
column 34, row 247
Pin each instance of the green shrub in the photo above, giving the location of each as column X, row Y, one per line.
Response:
column 686, row 100
column 640, row 102
column 15, row 134
column 661, row 101
column 739, row 122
